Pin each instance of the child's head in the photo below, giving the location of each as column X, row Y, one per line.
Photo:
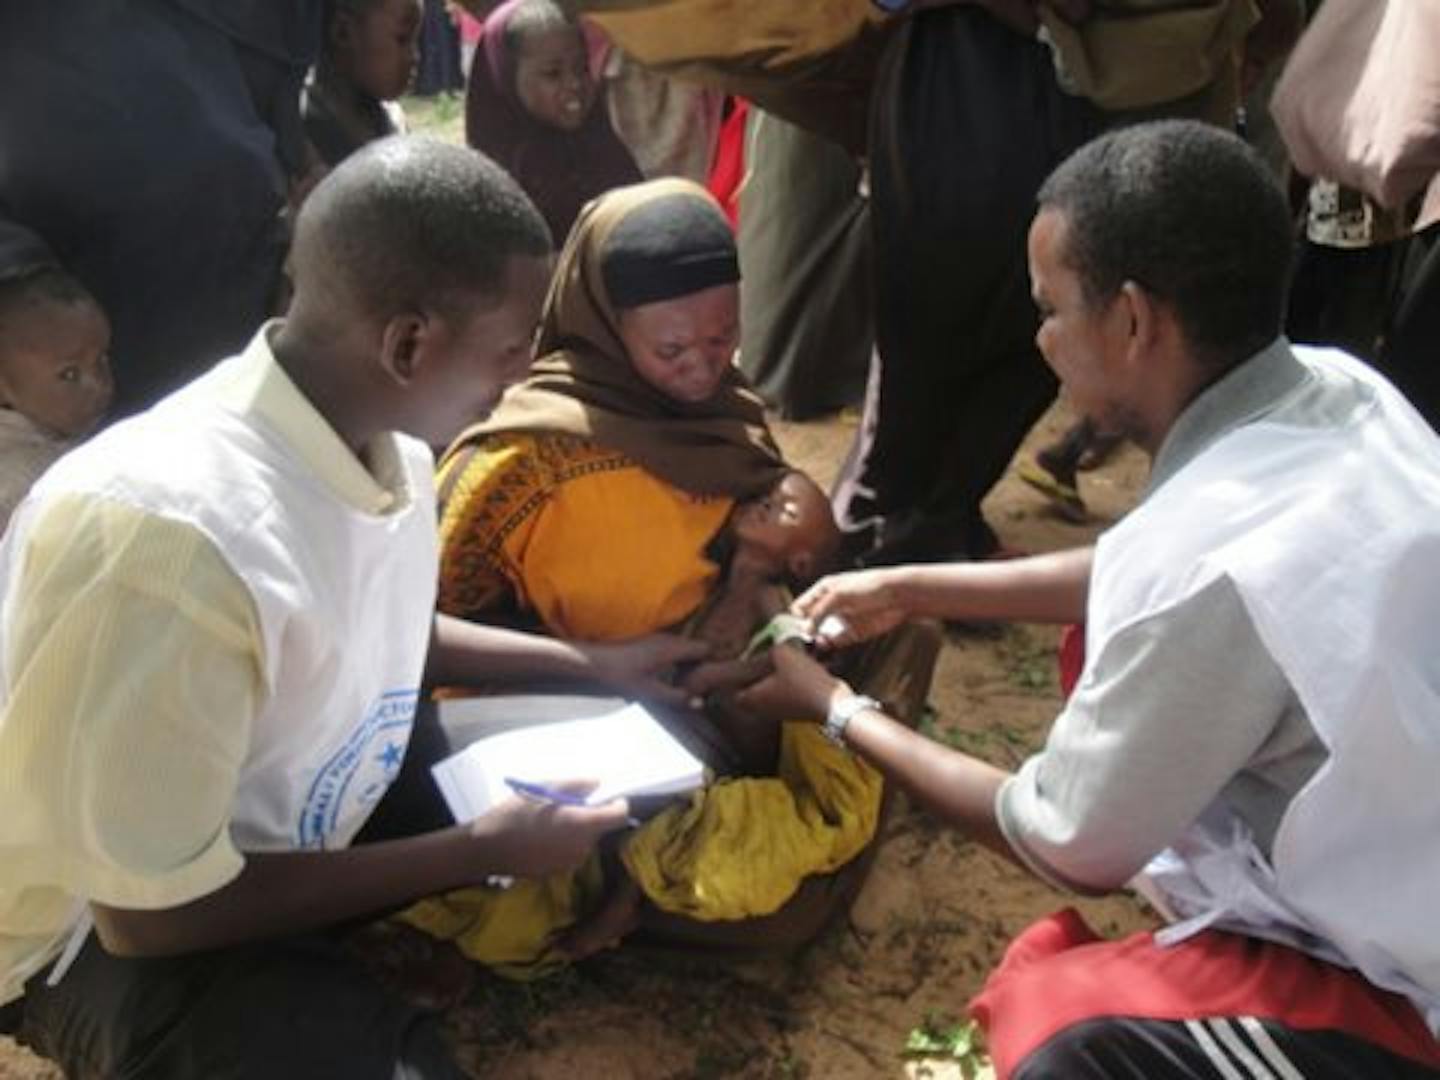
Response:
column 374, row 44
column 420, row 267
column 790, row 528
column 54, row 340
column 549, row 64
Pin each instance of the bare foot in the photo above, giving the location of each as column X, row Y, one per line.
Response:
column 618, row 915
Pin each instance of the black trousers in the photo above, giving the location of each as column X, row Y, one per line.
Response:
column 1125, row 1048
column 298, row 1007
column 294, row 1008
column 968, row 121
column 1411, row 356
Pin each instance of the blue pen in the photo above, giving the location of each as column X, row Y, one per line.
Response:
column 541, row 793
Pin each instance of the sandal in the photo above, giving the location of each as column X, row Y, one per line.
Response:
column 1065, row 498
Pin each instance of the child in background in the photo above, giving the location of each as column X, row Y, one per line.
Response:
column 534, row 107
column 55, row 382
column 367, row 60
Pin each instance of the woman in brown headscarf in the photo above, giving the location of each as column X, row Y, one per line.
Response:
column 587, row 504
column 587, row 500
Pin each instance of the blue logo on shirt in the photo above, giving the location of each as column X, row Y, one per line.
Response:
column 357, row 774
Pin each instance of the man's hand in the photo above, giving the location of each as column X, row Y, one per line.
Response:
column 799, row 689
column 641, row 667
column 527, row 838
column 865, row 601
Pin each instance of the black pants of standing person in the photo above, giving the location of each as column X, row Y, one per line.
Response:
column 295, row 1008
column 1411, row 354
column 968, row 122
column 1345, row 296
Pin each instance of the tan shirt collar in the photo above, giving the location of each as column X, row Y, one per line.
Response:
column 260, row 387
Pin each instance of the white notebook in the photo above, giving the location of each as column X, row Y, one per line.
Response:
column 626, row 750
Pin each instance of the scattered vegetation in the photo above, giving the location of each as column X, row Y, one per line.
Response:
column 442, row 116
column 949, row 1040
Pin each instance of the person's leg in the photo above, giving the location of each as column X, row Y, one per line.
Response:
column 1136, row 1048
column 1410, row 351
column 1065, row 1003
column 1343, row 296
column 968, row 122
column 297, row 1008
column 806, row 304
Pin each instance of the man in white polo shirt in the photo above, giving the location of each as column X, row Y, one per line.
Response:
column 216, row 620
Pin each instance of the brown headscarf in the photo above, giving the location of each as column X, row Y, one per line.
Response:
column 583, row 382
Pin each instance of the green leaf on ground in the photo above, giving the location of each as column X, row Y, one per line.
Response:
column 941, row 1036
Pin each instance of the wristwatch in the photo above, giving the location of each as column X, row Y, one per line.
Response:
column 842, row 711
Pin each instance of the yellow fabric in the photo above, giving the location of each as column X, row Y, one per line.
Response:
column 511, row 930
column 760, row 33
column 741, row 847
column 736, row 849
column 133, row 658
column 579, row 535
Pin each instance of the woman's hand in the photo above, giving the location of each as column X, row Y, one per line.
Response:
column 865, row 604
column 643, row 666
column 799, row 689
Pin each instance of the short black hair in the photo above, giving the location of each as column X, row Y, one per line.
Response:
column 1191, row 214
column 409, row 223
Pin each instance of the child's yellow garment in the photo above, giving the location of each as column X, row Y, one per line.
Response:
column 739, row 848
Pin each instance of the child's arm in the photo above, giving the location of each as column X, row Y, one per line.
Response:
column 290, row 892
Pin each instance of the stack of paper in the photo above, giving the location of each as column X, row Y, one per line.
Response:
column 627, row 752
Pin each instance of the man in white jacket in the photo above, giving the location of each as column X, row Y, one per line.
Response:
column 215, row 622
column 1254, row 738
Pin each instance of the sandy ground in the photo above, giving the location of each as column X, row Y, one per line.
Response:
column 931, row 920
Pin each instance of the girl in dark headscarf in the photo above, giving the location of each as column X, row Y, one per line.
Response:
column 533, row 107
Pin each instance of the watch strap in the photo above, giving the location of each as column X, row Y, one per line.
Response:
column 842, row 712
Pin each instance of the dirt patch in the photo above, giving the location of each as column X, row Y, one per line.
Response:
column 930, row 922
